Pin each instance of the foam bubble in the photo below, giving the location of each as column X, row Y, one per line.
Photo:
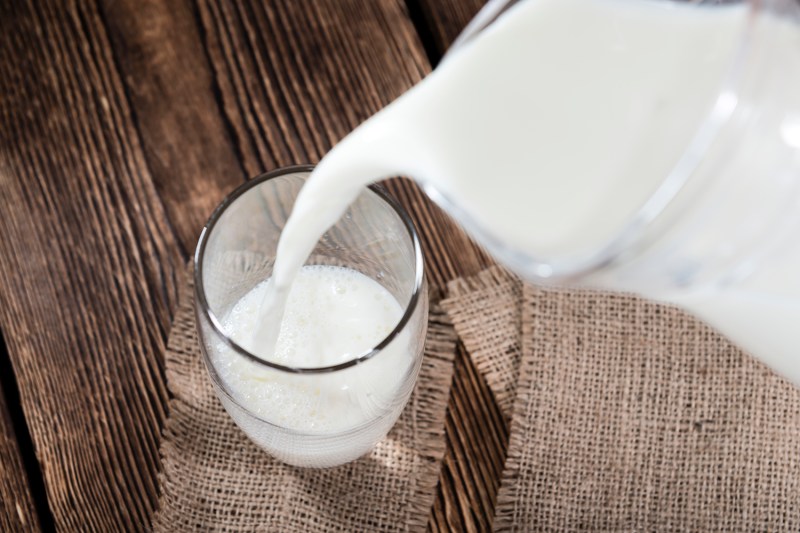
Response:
column 332, row 315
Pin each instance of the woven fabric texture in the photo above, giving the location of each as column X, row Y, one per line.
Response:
column 491, row 332
column 632, row 416
column 215, row 479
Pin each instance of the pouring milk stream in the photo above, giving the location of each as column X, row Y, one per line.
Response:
column 645, row 146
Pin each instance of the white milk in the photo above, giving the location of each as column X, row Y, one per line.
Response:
column 332, row 315
column 515, row 139
column 549, row 130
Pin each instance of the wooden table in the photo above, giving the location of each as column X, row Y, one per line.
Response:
column 122, row 124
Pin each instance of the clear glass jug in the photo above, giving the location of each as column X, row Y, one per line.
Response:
column 720, row 236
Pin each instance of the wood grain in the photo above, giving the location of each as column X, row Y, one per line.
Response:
column 17, row 512
column 87, row 266
column 477, row 437
column 123, row 123
column 443, row 20
column 168, row 79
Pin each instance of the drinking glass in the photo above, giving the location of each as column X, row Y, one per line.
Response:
column 236, row 252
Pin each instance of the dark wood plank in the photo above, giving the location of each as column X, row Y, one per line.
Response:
column 477, row 439
column 443, row 20
column 17, row 512
column 190, row 154
column 296, row 77
column 87, row 266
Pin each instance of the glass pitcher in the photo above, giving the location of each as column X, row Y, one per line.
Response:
column 720, row 236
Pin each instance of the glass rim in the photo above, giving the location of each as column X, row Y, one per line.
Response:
column 202, row 302
column 556, row 270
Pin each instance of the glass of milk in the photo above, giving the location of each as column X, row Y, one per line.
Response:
column 350, row 343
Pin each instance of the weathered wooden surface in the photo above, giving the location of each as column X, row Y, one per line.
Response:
column 87, row 263
column 122, row 123
column 17, row 512
column 442, row 20
column 162, row 58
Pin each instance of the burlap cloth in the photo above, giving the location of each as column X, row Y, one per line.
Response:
column 632, row 416
column 215, row 479
column 486, row 313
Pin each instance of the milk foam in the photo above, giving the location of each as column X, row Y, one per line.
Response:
column 332, row 315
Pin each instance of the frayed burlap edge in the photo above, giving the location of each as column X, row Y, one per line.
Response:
column 485, row 279
column 504, row 517
column 466, row 301
column 440, row 349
